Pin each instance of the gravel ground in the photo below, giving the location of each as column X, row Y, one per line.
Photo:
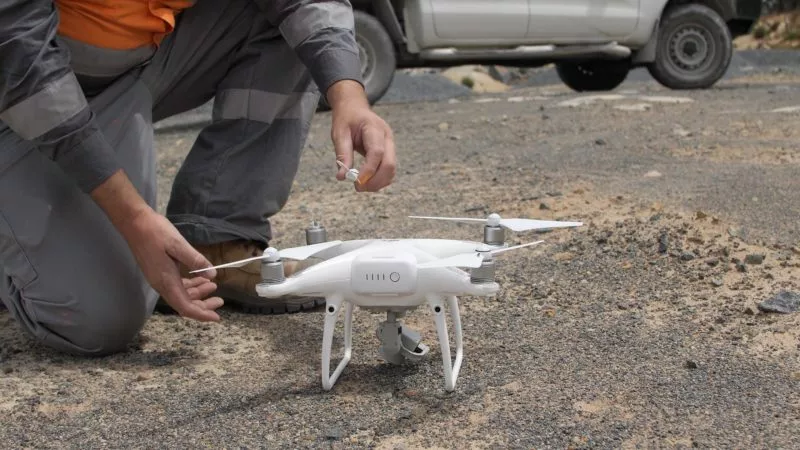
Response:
column 640, row 329
column 426, row 85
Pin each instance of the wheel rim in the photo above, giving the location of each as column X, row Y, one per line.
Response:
column 691, row 50
column 365, row 50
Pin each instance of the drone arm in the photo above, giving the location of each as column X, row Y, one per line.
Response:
column 287, row 287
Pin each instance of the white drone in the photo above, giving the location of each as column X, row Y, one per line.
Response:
column 393, row 276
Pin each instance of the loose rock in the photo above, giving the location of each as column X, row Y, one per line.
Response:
column 784, row 302
column 754, row 258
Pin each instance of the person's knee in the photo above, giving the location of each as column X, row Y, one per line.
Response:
column 99, row 322
column 110, row 329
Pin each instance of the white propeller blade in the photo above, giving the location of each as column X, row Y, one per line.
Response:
column 452, row 219
column 307, row 251
column 462, row 260
column 296, row 253
column 472, row 260
column 240, row 263
column 511, row 224
column 533, row 224
column 505, row 249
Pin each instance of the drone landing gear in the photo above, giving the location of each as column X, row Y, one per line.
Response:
column 331, row 316
column 402, row 344
column 451, row 368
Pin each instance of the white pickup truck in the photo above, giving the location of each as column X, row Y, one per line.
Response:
column 685, row 44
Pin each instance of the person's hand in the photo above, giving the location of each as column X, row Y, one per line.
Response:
column 198, row 289
column 159, row 249
column 356, row 128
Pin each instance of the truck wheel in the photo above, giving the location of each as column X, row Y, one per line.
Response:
column 377, row 54
column 593, row 75
column 694, row 48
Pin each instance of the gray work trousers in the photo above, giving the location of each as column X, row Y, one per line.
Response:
column 66, row 275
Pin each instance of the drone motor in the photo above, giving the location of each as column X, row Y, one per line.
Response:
column 494, row 235
column 272, row 267
column 316, row 234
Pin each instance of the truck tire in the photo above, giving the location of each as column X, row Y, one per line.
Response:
column 694, row 48
column 593, row 75
column 377, row 55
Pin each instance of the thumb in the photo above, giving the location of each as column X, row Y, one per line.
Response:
column 343, row 146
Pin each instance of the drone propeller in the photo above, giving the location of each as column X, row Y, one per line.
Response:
column 296, row 253
column 472, row 260
column 511, row 224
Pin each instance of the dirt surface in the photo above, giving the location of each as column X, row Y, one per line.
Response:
column 640, row 329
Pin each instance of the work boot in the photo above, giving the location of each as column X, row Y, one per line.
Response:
column 237, row 285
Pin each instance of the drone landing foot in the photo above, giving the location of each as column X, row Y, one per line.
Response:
column 451, row 368
column 332, row 307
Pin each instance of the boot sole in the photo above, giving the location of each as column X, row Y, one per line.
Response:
column 257, row 305
column 267, row 306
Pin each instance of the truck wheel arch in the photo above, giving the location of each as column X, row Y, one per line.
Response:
column 725, row 8
column 387, row 15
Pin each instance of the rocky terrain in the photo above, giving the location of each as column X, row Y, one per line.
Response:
column 773, row 31
column 668, row 320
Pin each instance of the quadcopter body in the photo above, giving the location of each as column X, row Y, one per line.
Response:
column 385, row 274
column 394, row 276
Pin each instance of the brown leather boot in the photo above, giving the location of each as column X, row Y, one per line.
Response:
column 237, row 285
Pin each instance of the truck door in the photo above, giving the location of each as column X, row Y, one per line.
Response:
column 480, row 20
column 588, row 20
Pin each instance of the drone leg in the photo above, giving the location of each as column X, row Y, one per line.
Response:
column 451, row 368
column 331, row 316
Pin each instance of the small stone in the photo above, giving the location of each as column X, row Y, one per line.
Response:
column 682, row 132
column 600, row 141
column 142, row 377
column 635, row 107
column 754, row 258
column 735, row 232
column 751, row 310
column 691, row 364
column 700, row 215
column 663, row 243
column 333, row 433
column 716, row 282
column 784, row 302
column 687, row 256
column 543, row 206
column 652, row 174
column 741, row 267
column 444, row 126
column 713, row 261
column 554, row 193
column 8, row 370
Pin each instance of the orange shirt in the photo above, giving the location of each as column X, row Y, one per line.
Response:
column 119, row 24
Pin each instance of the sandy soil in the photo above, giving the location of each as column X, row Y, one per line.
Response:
column 639, row 329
